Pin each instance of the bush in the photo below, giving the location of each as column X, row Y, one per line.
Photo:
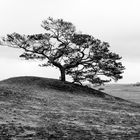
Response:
column 101, row 89
column 137, row 84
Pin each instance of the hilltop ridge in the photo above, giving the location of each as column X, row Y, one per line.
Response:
column 55, row 84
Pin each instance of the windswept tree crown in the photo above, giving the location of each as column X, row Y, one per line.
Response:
column 79, row 55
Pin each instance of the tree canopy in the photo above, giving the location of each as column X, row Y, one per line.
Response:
column 79, row 55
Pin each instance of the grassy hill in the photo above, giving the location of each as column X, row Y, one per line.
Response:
column 125, row 91
column 34, row 108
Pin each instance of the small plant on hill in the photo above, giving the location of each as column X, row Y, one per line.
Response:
column 101, row 88
column 79, row 55
column 137, row 84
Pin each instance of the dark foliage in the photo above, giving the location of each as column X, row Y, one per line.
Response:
column 79, row 55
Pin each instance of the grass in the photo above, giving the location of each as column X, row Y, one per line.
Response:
column 43, row 109
column 125, row 91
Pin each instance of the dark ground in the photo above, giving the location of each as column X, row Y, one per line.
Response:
column 33, row 108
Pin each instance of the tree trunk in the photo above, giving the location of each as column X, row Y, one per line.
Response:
column 63, row 76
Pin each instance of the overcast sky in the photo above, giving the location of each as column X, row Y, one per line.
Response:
column 113, row 21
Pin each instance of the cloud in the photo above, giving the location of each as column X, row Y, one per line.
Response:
column 12, row 68
column 131, row 74
column 116, row 22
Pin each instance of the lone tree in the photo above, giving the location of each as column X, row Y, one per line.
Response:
column 79, row 55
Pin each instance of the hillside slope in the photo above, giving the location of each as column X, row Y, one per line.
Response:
column 41, row 109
